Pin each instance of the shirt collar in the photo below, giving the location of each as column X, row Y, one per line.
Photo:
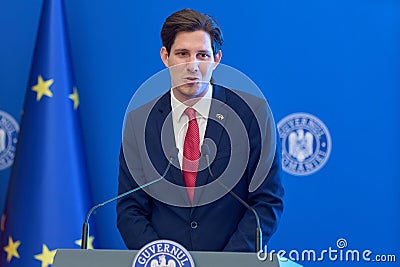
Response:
column 202, row 107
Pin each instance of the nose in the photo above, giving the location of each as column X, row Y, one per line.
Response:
column 192, row 65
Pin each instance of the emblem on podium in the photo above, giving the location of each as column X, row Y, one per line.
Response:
column 163, row 253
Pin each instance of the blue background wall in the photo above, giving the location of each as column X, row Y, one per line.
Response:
column 338, row 60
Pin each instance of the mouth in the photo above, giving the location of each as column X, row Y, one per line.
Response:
column 191, row 79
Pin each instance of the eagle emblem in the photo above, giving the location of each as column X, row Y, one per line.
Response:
column 300, row 145
column 2, row 140
column 162, row 262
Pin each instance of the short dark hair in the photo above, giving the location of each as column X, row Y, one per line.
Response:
column 189, row 20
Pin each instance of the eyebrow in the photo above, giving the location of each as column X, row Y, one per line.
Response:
column 181, row 50
column 186, row 50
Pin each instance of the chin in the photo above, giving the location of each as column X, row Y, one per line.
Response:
column 186, row 92
column 191, row 89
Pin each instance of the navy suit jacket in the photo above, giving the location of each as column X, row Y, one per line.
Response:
column 239, row 132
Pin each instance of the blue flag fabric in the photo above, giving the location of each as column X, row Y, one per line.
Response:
column 48, row 195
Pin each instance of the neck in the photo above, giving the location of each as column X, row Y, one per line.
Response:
column 190, row 100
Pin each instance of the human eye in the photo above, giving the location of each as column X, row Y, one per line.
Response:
column 204, row 56
column 181, row 53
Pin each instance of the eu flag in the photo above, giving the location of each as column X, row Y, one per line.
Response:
column 47, row 196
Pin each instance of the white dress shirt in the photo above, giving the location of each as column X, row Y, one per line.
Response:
column 180, row 119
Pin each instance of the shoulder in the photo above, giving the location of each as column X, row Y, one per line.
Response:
column 142, row 113
column 246, row 105
column 233, row 96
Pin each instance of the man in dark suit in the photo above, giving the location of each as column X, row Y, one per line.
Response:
column 237, row 131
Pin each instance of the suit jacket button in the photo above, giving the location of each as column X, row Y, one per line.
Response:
column 193, row 225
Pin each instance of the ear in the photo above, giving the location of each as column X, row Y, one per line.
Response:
column 164, row 56
column 217, row 58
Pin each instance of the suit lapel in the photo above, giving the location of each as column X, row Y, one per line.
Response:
column 215, row 126
column 164, row 127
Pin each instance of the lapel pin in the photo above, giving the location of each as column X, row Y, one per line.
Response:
column 219, row 116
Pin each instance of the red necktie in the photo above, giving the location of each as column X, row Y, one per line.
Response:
column 191, row 153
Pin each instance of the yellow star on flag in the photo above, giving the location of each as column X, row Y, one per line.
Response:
column 89, row 244
column 75, row 97
column 42, row 88
column 46, row 257
column 12, row 249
